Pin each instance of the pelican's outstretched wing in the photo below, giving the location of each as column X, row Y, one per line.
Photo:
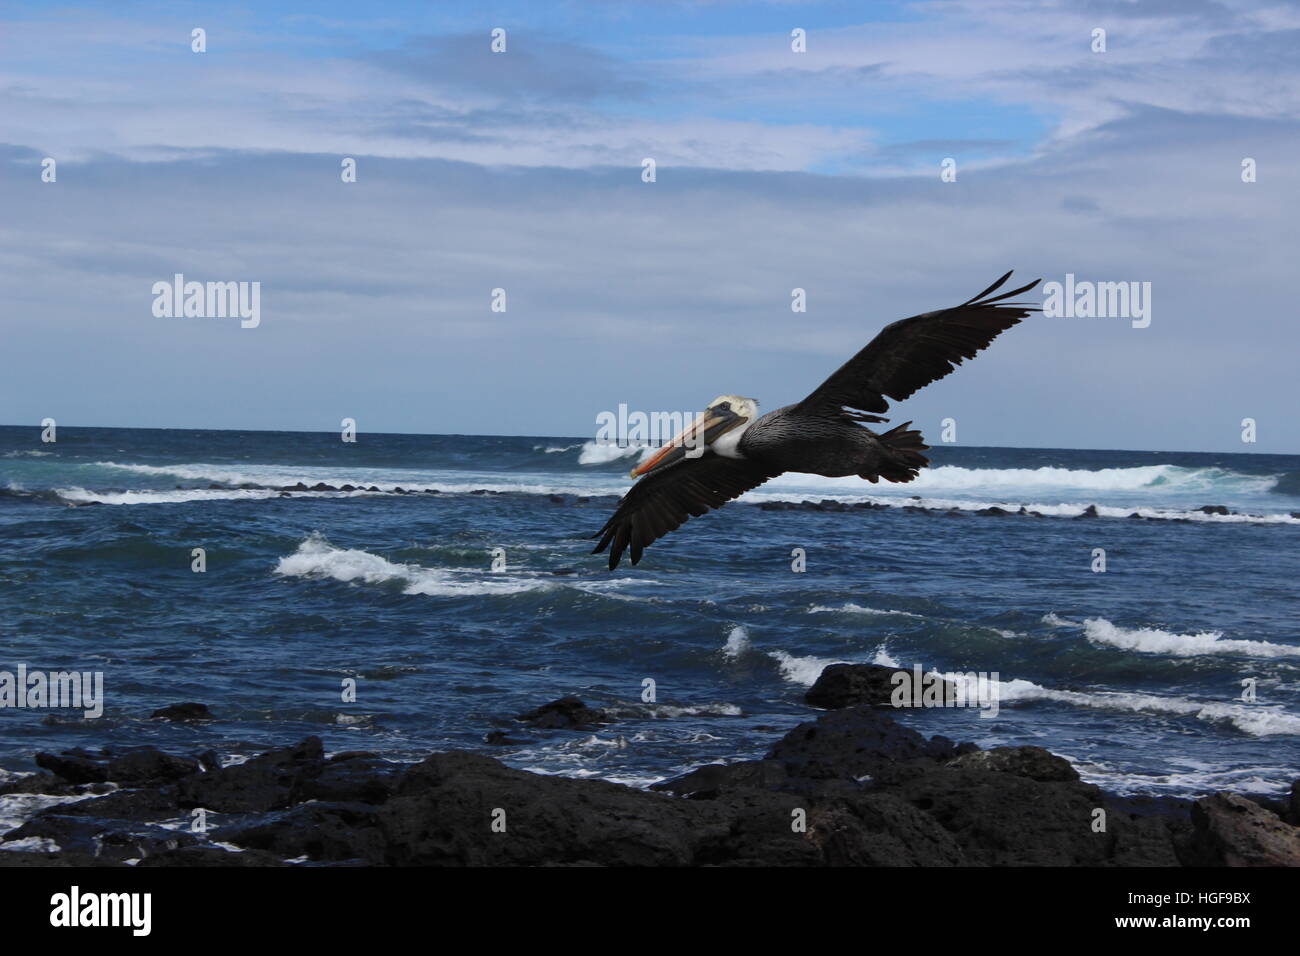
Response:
column 910, row 354
column 662, row 500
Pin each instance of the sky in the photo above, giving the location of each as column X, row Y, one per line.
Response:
column 522, row 170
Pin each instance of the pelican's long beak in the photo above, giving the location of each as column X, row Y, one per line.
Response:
column 692, row 441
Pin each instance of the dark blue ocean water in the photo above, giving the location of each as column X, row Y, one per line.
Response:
column 1135, row 673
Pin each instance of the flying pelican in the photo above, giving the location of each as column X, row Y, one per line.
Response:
column 730, row 450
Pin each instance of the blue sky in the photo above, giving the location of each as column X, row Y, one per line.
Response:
column 522, row 171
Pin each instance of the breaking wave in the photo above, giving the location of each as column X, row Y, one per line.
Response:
column 317, row 558
column 1254, row 719
column 1151, row 640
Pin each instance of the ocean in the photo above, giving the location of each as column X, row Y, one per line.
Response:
column 703, row 652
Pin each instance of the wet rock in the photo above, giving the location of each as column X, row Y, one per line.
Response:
column 183, row 712
column 444, row 815
column 148, row 765
column 1230, row 830
column 850, row 743
column 108, row 840
column 357, row 778
column 1214, row 509
column 142, row 805
column 752, row 827
column 846, row 685
column 74, row 768
column 1032, row 762
column 1000, row 819
column 209, row 760
column 499, row 738
column 567, row 713
column 992, row 510
column 318, row 831
column 873, row 793
column 880, row 829
column 712, row 780
column 206, row 856
column 46, row 783
column 41, row 858
column 135, row 767
column 266, row 782
column 1088, row 512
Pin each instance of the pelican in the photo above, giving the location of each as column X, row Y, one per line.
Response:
column 729, row 449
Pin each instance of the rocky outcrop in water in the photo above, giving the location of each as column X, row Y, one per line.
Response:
column 851, row 787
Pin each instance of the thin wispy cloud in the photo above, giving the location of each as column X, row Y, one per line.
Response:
column 775, row 170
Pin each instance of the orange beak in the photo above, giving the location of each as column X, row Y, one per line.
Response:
column 692, row 441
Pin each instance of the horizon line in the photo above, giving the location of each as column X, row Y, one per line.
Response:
column 291, row 431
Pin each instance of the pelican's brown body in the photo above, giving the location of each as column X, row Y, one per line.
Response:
column 732, row 449
column 832, row 444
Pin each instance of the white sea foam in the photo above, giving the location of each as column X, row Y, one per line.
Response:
column 858, row 609
column 154, row 497
column 1054, row 620
column 15, row 808
column 802, row 670
column 805, row 670
column 658, row 711
column 737, row 643
column 1183, row 777
column 602, row 453
column 1254, row 719
column 317, row 558
column 884, row 658
column 953, row 478
column 1150, row 640
column 1163, row 488
column 1059, row 510
column 82, row 496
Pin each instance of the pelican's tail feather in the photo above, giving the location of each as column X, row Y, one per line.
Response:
column 902, row 460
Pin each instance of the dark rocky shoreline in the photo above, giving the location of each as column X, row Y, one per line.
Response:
column 851, row 786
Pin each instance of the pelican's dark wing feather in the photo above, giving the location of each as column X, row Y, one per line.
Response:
column 662, row 500
column 910, row 354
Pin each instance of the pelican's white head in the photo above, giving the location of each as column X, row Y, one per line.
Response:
column 718, row 430
column 746, row 408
